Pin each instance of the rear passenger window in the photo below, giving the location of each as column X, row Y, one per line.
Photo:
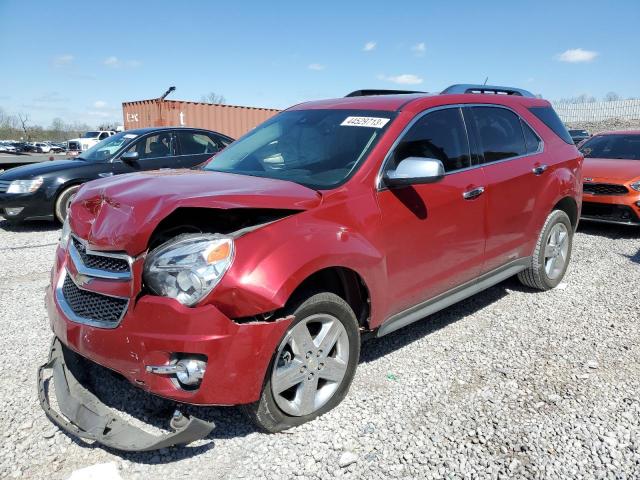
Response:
column 550, row 118
column 193, row 143
column 440, row 135
column 500, row 133
column 531, row 139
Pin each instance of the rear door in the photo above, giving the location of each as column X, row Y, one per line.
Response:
column 196, row 147
column 510, row 152
column 433, row 236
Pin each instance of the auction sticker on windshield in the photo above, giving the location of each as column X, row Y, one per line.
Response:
column 371, row 122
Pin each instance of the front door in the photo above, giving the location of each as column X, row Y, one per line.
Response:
column 434, row 234
column 154, row 152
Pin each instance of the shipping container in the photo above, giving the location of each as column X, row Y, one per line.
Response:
column 230, row 120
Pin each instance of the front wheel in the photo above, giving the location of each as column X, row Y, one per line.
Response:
column 63, row 201
column 552, row 253
column 313, row 367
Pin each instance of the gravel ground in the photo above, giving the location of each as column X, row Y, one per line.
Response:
column 605, row 125
column 508, row 384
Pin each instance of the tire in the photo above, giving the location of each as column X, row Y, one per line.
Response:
column 549, row 261
column 62, row 202
column 276, row 412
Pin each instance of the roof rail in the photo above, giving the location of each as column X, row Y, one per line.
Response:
column 470, row 88
column 366, row 93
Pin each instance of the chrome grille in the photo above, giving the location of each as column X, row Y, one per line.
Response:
column 605, row 189
column 4, row 186
column 100, row 262
column 73, row 146
column 92, row 308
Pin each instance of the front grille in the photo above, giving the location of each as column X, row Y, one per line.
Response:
column 99, row 262
column 611, row 213
column 4, row 186
column 605, row 189
column 93, row 306
column 73, row 146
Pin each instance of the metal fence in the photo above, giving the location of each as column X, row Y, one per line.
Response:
column 597, row 111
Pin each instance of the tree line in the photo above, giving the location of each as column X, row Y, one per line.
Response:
column 20, row 127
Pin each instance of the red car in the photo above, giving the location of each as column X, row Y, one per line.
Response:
column 612, row 177
column 253, row 280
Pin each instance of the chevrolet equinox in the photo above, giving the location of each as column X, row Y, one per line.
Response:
column 252, row 280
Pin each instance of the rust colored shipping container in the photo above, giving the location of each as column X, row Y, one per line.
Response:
column 231, row 120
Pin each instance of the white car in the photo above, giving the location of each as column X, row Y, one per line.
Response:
column 88, row 140
column 42, row 147
column 7, row 147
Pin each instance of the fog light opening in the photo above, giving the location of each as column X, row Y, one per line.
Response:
column 12, row 212
column 190, row 371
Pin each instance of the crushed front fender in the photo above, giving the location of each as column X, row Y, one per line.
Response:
column 83, row 415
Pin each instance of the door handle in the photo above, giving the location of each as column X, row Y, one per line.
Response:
column 474, row 193
column 539, row 170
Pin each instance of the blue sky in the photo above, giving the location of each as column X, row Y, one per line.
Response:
column 80, row 60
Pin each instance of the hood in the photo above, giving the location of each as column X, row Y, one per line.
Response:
column 121, row 213
column 27, row 172
column 611, row 169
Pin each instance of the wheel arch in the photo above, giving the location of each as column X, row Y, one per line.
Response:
column 343, row 281
column 569, row 206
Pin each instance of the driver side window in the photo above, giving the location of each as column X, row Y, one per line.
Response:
column 154, row 146
column 440, row 135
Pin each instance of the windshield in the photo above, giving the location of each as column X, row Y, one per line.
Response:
column 320, row 149
column 107, row 148
column 91, row 135
column 626, row 147
column 578, row 132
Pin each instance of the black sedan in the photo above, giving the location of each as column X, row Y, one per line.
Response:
column 579, row 135
column 44, row 190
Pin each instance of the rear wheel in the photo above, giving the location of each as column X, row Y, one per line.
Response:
column 313, row 367
column 63, row 201
column 552, row 253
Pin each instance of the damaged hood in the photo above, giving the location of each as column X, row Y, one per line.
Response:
column 121, row 212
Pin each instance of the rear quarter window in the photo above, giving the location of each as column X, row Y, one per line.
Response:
column 550, row 118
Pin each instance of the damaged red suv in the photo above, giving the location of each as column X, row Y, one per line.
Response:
column 253, row 280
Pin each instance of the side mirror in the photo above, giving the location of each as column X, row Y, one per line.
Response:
column 130, row 158
column 413, row 171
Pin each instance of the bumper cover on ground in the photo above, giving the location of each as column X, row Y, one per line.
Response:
column 88, row 418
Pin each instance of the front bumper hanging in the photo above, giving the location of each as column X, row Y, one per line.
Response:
column 88, row 418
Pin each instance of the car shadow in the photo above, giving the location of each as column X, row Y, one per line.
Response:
column 609, row 230
column 379, row 347
column 29, row 226
column 231, row 422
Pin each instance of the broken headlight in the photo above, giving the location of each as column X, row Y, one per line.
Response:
column 189, row 267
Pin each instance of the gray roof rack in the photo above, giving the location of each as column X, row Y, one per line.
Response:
column 368, row 92
column 494, row 89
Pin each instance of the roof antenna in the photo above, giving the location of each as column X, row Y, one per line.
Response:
column 485, row 80
column 164, row 95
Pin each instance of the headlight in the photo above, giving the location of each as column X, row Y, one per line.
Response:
column 24, row 186
column 636, row 186
column 189, row 268
column 65, row 233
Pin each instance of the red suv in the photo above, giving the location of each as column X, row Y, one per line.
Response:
column 253, row 280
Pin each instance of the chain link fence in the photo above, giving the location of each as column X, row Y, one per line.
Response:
column 598, row 111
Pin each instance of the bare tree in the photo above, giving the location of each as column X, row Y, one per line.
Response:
column 24, row 118
column 611, row 97
column 108, row 126
column 213, row 98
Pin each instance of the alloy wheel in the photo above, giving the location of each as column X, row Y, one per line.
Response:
column 556, row 251
column 311, row 363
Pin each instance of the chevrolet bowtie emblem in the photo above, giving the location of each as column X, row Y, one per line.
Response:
column 81, row 280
